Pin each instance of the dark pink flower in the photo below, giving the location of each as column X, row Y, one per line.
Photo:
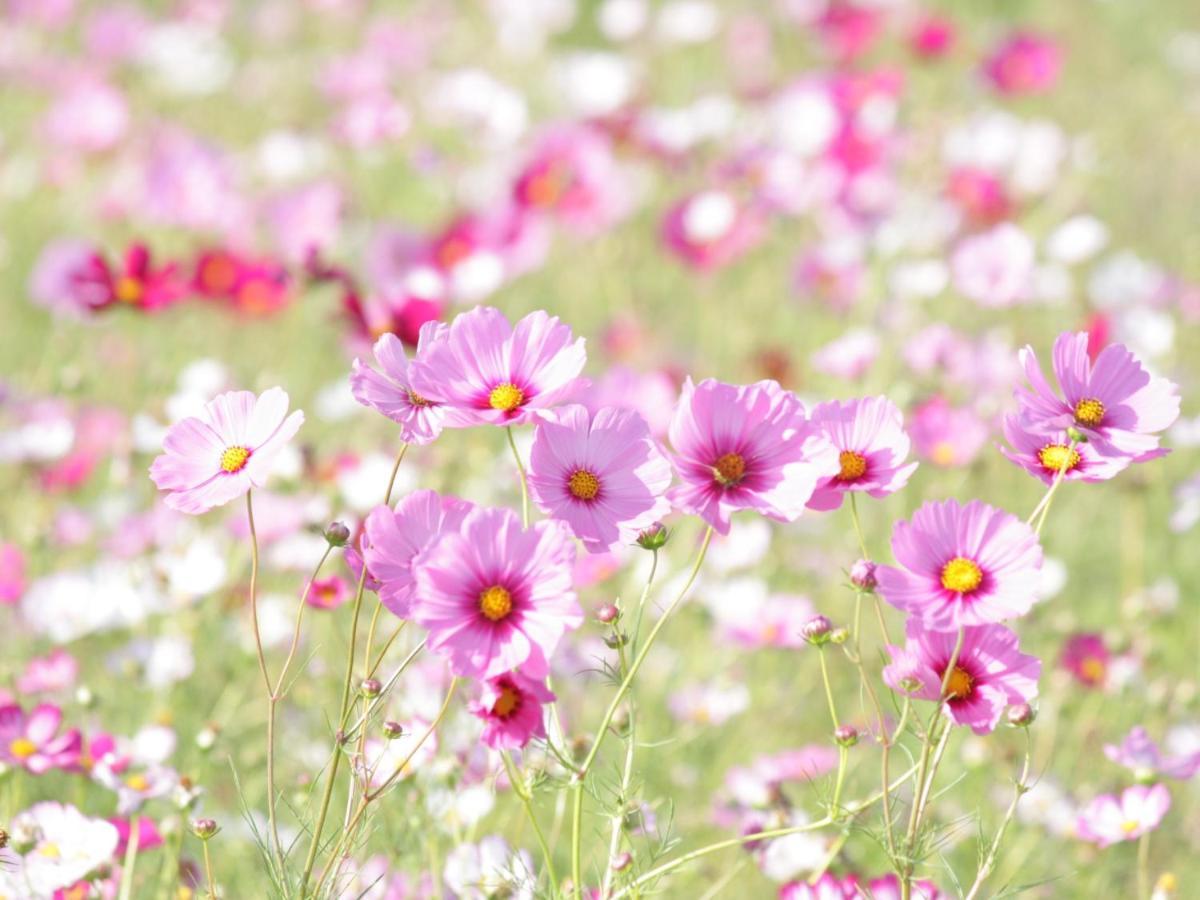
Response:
column 1024, row 63
column 33, row 742
column 511, row 708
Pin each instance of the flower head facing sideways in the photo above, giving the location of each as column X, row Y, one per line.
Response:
column 486, row 371
column 745, row 447
column 1142, row 756
column 602, row 474
column 32, row 740
column 389, row 391
column 962, row 565
column 869, row 437
column 990, row 673
column 1109, row 820
column 212, row 458
column 396, row 536
column 495, row 596
column 1113, row 402
column 1044, row 455
column 510, row 706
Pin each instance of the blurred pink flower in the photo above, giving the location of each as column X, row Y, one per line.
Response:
column 12, row 574
column 305, row 220
column 88, row 115
column 946, row 435
column 711, row 229
column 849, row 356
column 990, row 674
column 1087, row 658
column 745, row 447
column 219, row 455
column 32, row 740
column 495, row 596
column 995, row 268
column 1109, row 820
column 571, row 175
column 53, row 673
column 1024, row 63
column 1141, row 755
column 328, row 593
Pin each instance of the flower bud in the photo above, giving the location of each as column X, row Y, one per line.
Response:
column 1076, row 435
column 204, row 828
column 85, row 697
column 839, row 636
column 607, row 612
column 621, row 862
column 1021, row 715
column 207, row 736
column 337, row 534
column 845, row 735
column 370, row 687
column 654, row 537
column 816, row 630
column 862, row 575
column 392, row 730
column 616, row 639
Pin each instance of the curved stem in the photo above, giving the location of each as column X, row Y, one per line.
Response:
column 521, row 789
column 1019, row 790
column 512, row 442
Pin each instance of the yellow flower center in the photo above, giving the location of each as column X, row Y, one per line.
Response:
column 961, row 575
column 138, row 783
column 1058, row 458
column 506, row 704
column 944, row 453
column 730, row 469
column 506, row 397
column 49, row 850
column 128, row 289
column 960, row 685
column 854, row 465
column 495, row 603
column 22, row 748
column 583, row 485
column 234, row 459
column 1129, row 826
column 1089, row 412
column 1092, row 669
column 417, row 400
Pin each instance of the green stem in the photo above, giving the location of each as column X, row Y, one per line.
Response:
column 131, row 855
column 1143, row 867
column 1020, row 788
column 208, row 875
column 521, row 789
column 512, row 442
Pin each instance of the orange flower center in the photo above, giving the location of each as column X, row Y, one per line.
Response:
column 854, row 465
column 1058, row 458
column 960, row 685
column 506, row 397
column 729, row 469
column 583, row 485
column 138, row 782
column 506, row 704
column 128, row 289
column 218, row 274
column 1089, row 412
column 961, row 575
column 495, row 603
column 234, row 459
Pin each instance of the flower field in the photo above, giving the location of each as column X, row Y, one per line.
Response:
column 599, row 449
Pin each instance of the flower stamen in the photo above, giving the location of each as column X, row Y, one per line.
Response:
column 506, row 397
column 961, row 575
column 729, row 469
column 1089, row 412
column 507, row 703
column 495, row 603
column 961, row 684
column 1058, row 458
column 234, row 459
column 854, row 465
column 583, row 485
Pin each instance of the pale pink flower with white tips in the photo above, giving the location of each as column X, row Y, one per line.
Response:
column 390, row 392
column 602, row 474
column 229, row 448
column 1142, row 756
column 1109, row 820
column 869, row 437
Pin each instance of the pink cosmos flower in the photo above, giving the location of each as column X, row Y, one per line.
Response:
column 933, row 36
column 490, row 372
column 65, row 279
column 1025, row 63
column 305, row 220
column 328, row 593
column 212, row 458
column 136, row 283
column 1109, row 820
column 12, row 574
column 1087, row 658
column 33, row 741
column 1141, row 755
column 991, row 673
column 995, row 268
column 511, row 708
column 869, row 437
column 849, row 356
column 571, row 174
column 602, row 474
column 946, row 435
column 888, row 888
column 962, row 565
column 496, row 597
column 1114, row 402
column 1045, row 455
column 390, row 392
column 56, row 671
column 395, row 537
column 711, row 229
column 88, row 115
column 827, row 887
column 747, row 447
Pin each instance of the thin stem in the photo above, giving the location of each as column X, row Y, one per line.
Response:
column 521, row 789
column 828, row 689
column 512, row 442
column 1043, row 506
column 1143, row 867
column 1020, row 788
column 208, row 875
column 131, row 855
column 311, row 858
column 678, row 862
column 862, row 541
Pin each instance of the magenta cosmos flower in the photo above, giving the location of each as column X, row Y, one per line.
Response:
column 745, row 447
column 1141, row 755
column 490, row 372
column 962, row 565
column 390, row 390
column 869, row 437
column 602, row 474
column 395, row 537
column 212, row 458
column 1115, row 403
column 495, row 596
column 32, row 740
column 1109, row 820
column 1045, row 455
column 990, row 674
column 511, row 708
